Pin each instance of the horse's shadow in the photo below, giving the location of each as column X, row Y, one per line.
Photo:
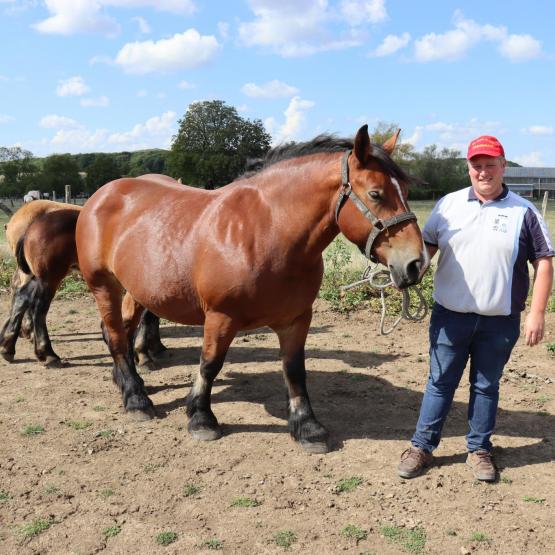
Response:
column 353, row 405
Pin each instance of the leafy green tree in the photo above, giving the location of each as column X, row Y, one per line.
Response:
column 213, row 143
column 403, row 153
column 101, row 171
column 58, row 171
column 147, row 161
column 19, row 171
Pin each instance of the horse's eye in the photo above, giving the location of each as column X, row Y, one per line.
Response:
column 374, row 195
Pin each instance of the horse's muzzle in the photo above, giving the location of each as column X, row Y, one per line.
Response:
column 405, row 275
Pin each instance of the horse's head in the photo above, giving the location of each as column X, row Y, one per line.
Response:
column 372, row 210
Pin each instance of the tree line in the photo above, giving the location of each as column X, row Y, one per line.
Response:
column 211, row 148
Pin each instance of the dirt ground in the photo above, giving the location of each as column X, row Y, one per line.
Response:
column 100, row 483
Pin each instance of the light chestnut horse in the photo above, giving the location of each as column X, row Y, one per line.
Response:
column 244, row 256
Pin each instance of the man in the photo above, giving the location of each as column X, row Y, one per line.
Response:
column 486, row 235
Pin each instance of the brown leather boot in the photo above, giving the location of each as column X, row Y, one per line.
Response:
column 413, row 461
column 482, row 465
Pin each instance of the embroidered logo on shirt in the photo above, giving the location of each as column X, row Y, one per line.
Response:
column 500, row 223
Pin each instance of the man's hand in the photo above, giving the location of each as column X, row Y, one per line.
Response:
column 533, row 328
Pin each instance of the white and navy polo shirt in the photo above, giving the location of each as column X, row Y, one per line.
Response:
column 484, row 250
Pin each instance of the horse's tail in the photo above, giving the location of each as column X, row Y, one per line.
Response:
column 20, row 256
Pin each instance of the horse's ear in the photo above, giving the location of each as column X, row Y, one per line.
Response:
column 363, row 146
column 389, row 145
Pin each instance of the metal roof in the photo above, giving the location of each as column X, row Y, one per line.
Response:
column 529, row 172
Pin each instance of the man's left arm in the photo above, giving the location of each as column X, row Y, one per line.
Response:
column 543, row 282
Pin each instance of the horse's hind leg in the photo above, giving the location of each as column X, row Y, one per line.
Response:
column 21, row 300
column 107, row 293
column 219, row 332
column 148, row 346
column 303, row 425
column 44, row 293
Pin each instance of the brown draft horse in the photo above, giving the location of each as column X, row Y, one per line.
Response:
column 41, row 235
column 244, row 256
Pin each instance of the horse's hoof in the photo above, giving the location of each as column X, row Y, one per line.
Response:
column 53, row 362
column 206, row 434
column 8, row 356
column 315, row 447
column 147, row 365
column 141, row 415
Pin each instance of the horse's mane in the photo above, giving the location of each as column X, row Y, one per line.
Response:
column 321, row 144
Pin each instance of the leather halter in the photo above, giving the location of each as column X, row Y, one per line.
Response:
column 378, row 225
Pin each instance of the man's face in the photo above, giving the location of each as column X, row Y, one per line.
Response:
column 486, row 175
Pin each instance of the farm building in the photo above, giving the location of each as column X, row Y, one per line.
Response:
column 531, row 182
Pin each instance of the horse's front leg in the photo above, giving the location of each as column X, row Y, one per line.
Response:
column 303, row 425
column 219, row 332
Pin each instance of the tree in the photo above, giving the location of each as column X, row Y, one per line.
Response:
column 101, row 171
column 213, row 143
column 403, row 153
column 19, row 171
column 58, row 171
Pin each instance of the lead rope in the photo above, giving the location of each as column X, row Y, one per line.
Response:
column 380, row 279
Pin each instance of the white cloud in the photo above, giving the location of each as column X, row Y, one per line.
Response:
column 53, row 121
column 75, row 140
column 74, row 86
column 142, row 93
column 182, row 51
column 519, row 48
column 100, row 102
column 390, row 45
column 532, row 159
column 70, row 17
column 6, row 119
column 295, row 118
column 157, row 127
column 185, row 85
column 538, row 130
column 144, row 27
column 271, row 89
column 454, row 44
column 358, row 12
column 293, row 27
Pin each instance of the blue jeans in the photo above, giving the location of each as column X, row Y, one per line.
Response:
column 454, row 338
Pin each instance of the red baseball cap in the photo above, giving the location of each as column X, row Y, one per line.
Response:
column 485, row 145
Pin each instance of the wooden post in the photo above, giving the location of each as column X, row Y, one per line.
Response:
column 54, row 196
column 68, row 194
column 544, row 203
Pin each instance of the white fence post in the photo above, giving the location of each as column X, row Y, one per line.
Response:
column 544, row 203
column 68, row 194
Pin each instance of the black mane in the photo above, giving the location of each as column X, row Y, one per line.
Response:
column 320, row 144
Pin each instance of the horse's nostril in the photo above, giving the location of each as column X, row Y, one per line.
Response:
column 413, row 270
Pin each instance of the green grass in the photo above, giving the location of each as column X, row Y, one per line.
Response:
column 480, row 537
column 165, row 538
column 51, row 489
column 106, row 493
column 190, row 489
column 73, row 286
column 348, row 484
column 33, row 430
column 151, row 467
column 245, row 502
column 78, row 424
column 111, row 532
column 505, row 479
column 99, row 408
column 285, row 538
column 214, row 544
column 34, row 528
column 550, row 348
column 352, row 532
column 106, row 433
column 4, row 496
column 19, row 399
column 412, row 541
column 532, row 499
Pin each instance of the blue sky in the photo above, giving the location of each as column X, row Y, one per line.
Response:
column 113, row 75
